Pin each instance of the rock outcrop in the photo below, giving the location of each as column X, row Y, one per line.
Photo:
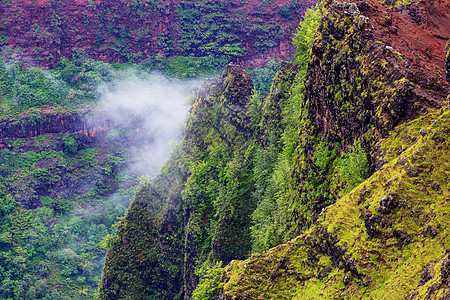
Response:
column 359, row 249
column 93, row 126
column 367, row 73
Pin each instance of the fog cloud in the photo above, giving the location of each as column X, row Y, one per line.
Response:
column 157, row 105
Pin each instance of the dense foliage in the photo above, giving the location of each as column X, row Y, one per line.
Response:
column 238, row 153
column 75, row 83
column 56, row 249
column 137, row 31
column 72, row 84
column 61, row 195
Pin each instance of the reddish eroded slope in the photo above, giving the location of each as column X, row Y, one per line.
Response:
column 418, row 31
column 372, row 65
column 133, row 30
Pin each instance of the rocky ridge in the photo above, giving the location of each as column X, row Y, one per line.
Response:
column 169, row 223
column 89, row 127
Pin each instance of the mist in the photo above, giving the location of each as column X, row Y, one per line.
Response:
column 151, row 110
column 155, row 107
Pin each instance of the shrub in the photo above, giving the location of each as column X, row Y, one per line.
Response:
column 41, row 175
column 209, row 286
column 34, row 116
column 70, row 145
column 304, row 37
column 353, row 166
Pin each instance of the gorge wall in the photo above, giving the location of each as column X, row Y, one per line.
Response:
column 246, row 31
column 93, row 126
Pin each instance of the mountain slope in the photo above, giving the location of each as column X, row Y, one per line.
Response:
column 382, row 240
column 361, row 84
column 344, row 163
column 190, row 212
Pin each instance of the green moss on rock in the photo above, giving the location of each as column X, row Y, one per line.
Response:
column 362, row 246
column 144, row 260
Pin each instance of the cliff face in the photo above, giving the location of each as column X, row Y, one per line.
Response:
column 145, row 260
column 55, row 133
column 387, row 239
column 347, row 156
column 47, row 123
column 368, row 72
column 90, row 127
column 120, row 31
column 375, row 78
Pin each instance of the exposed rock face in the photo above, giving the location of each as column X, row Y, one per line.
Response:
column 67, row 133
column 51, row 123
column 369, row 72
column 372, row 68
column 361, row 72
column 93, row 126
column 135, row 30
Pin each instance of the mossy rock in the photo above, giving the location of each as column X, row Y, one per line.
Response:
column 145, row 260
column 340, row 257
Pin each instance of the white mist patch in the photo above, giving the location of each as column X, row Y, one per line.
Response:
column 153, row 104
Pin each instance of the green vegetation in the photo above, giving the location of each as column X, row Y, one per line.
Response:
column 237, row 155
column 353, row 167
column 305, row 35
column 262, row 77
column 75, row 83
column 358, row 247
column 396, row 3
column 184, row 67
column 143, row 260
column 270, row 170
column 209, row 286
column 61, row 197
column 55, row 235
column 207, row 29
column 72, row 84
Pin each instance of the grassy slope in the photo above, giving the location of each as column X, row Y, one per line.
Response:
column 384, row 265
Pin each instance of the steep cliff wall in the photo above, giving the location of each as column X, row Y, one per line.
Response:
column 120, row 31
column 195, row 210
column 368, row 72
column 375, row 82
column 145, row 260
column 94, row 126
